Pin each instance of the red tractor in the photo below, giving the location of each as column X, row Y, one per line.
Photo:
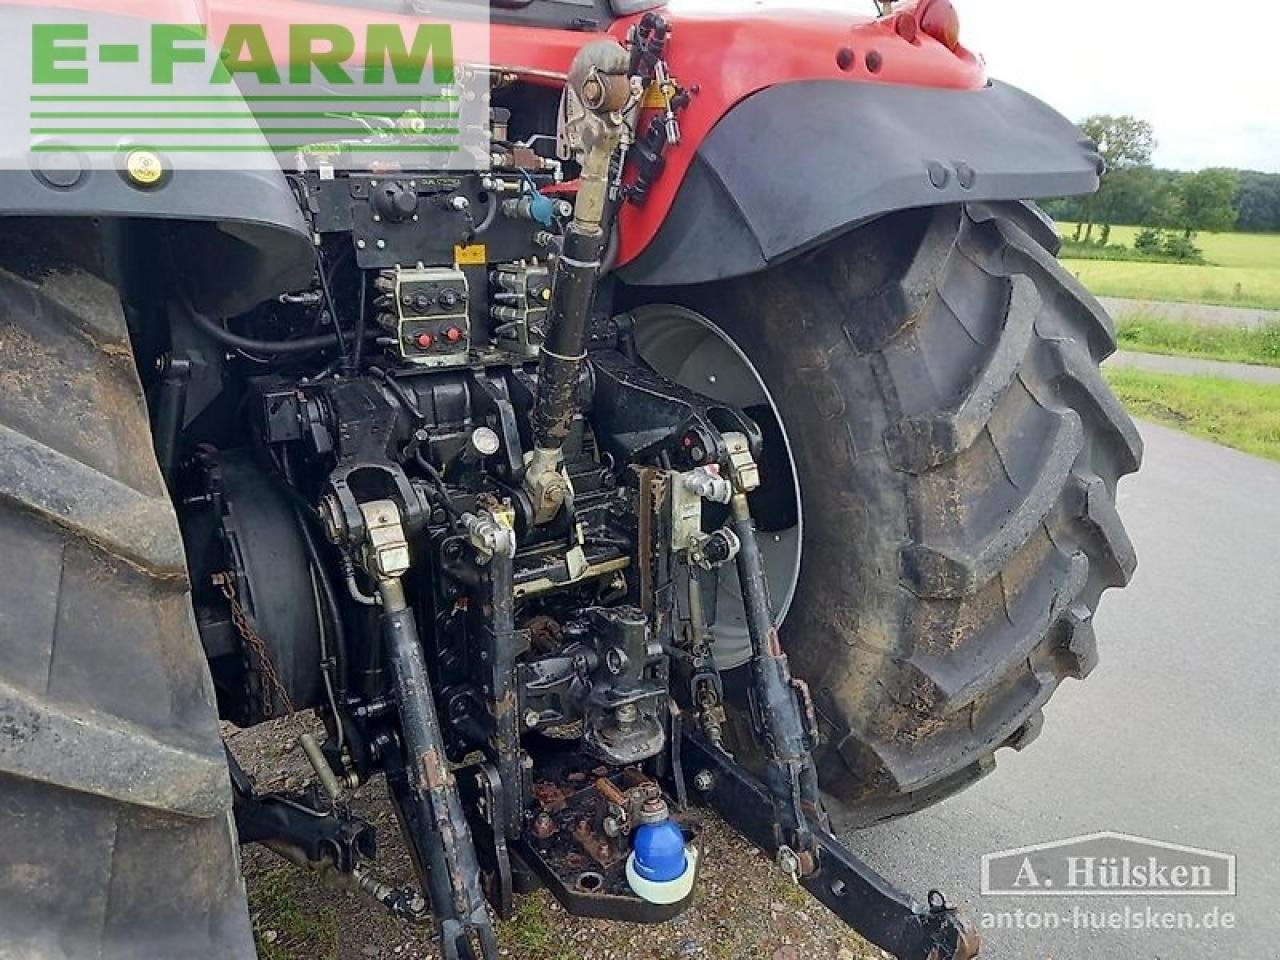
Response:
column 726, row 434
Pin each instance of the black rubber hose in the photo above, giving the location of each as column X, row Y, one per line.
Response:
column 357, row 349
column 490, row 214
column 330, row 599
column 270, row 347
column 452, row 513
column 399, row 393
column 329, row 301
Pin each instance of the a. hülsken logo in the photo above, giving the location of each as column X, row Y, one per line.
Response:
column 1108, row 864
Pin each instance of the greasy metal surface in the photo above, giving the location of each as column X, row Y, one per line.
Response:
column 571, row 842
column 435, row 825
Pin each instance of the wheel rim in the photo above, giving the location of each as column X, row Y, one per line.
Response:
column 689, row 349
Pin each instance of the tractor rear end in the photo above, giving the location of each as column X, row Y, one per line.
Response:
column 732, row 439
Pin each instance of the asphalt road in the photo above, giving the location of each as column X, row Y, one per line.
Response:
column 1194, row 366
column 1174, row 736
column 1191, row 312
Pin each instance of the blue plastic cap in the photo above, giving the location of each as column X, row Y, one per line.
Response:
column 659, row 852
column 542, row 208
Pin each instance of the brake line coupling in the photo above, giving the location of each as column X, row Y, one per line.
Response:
column 491, row 534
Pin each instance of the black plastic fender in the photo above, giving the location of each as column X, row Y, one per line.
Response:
column 797, row 164
column 234, row 236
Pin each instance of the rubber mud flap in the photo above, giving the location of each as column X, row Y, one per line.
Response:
column 798, row 164
column 116, row 838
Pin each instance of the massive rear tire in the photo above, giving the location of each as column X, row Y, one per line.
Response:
column 115, row 832
column 957, row 453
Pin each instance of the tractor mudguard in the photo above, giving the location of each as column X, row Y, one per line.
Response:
column 232, row 237
column 235, row 237
column 800, row 163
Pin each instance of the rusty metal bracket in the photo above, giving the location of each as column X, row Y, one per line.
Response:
column 890, row 918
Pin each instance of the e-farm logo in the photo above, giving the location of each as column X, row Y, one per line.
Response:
column 391, row 91
column 1108, row 864
column 60, row 53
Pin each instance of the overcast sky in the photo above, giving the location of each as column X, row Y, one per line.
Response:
column 1206, row 75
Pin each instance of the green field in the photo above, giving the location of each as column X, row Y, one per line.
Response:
column 1258, row 251
column 1243, row 271
column 1241, row 415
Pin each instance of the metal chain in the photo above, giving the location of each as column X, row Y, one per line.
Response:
column 226, row 583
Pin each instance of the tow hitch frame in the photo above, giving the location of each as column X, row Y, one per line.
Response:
column 869, row 903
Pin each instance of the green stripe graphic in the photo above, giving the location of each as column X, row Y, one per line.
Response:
column 251, row 98
column 118, row 53
column 228, row 131
column 240, row 148
column 250, row 115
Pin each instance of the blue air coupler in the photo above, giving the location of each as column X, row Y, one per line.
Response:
column 661, row 866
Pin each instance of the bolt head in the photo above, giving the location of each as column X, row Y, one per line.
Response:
column 485, row 441
column 626, row 713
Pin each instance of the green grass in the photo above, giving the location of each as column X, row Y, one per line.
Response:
column 1256, row 345
column 1256, row 251
column 1245, row 416
column 1186, row 283
column 1243, row 271
column 277, row 899
column 531, row 933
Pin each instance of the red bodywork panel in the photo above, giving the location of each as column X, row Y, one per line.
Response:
column 727, row 55
column 730, row 57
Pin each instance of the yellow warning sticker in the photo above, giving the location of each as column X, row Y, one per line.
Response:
column 470, row 256
column 655, row 98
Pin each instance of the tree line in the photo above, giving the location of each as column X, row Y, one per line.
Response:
column 1134, row 192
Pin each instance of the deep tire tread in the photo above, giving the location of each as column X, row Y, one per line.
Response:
column 958, row 454
column 114, row 794
column 989, row 690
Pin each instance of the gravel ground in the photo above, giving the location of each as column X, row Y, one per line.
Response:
column 744, row 907
column 1205, row 313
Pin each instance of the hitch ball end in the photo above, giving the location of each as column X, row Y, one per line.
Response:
column 661, row 866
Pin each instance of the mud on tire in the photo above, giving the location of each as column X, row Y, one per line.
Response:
column 957, row 454
column 114, row 798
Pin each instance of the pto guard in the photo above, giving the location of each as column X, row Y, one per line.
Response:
column 800, row 163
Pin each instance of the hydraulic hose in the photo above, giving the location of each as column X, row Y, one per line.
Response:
column 267, row 347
